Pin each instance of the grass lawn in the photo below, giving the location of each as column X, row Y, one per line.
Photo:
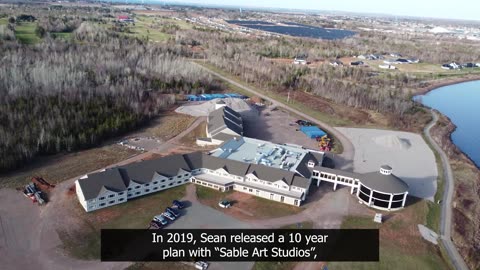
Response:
column 168, row 126
column 199, row 132
column 4, row 21
column 256, row 207
column 303, row 225
column 159, row 266
column 84, row 243
column 61, row 35
column 148, row 28
column 274, row 265
column 401, row 246
column 61, row 167
column 25, row 33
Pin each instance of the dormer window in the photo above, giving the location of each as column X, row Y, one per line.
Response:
column 311, row 164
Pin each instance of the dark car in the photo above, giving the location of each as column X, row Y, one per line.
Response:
column 172, row 211
column 156, row 223
column 178, row 204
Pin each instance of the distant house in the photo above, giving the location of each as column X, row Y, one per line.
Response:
column 370, row 57
column 398, row 61
column 335, row 63
column 477, row 64
column 469, row 65
column 413, row 60
column 299, row 61
column 387, row 67
column 124, row 18
column 396, row 55
column 452, row 65
column 357, row 63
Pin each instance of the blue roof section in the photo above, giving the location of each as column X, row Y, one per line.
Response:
column 312, row 131
column 213, row 96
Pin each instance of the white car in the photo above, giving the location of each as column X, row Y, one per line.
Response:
column 201, row 265
column 225, row 204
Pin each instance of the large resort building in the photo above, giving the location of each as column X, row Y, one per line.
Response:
column 278, row 172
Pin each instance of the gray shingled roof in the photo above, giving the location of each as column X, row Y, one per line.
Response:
column 302, row 167
column 223, row 118
column 271, row 174
column 223, row 136
column 143, row 172
column 384, row 183
column 96, row 183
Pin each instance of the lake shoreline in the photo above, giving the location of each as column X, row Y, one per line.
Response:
column 446, row 82
column 448, row 135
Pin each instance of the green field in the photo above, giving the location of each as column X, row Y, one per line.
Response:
column 61, row 35
column 3, row 21
column 25, row 33
column 146, row 28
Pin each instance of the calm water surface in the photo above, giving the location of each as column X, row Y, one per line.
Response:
column 295, row 29
column 461, row 103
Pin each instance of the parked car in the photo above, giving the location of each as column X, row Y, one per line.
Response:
column 224, row 204
column 160, row 218
column 178, row 204
column 201, row 265
column 303, row 123
column 158, row 223
column 169, row 216
column 155, row 225
column 172, row 211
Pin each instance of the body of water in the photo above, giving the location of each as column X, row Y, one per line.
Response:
column 461, row 103
column 295, row 29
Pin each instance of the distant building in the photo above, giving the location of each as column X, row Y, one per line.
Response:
column 299, row 61
column 451, row 66
column 223, row 124
column 370, row 57
column 357, row 63
column 395, row 55
column 125, row 18
column 335, row 63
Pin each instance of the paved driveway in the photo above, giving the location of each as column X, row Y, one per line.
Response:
column 198, row 216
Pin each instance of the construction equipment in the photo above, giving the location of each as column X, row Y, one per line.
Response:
column 41, row 183
column 324, row 143
column 31, row 191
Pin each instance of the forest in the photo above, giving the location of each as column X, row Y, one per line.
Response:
column 65, row 95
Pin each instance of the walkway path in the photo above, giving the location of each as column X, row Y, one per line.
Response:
column 446, row 215
column 346, row 160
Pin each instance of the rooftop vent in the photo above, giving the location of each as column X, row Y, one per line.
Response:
column 311, row 163
column 386, row 170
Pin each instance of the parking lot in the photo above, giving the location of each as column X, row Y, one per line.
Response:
column 198, row 216
column 277, row 126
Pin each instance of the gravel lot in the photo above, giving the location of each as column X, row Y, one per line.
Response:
column 407, row 153
column 277, row 126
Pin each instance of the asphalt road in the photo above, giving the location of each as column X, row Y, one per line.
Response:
column 342, row 161
column 446, row 214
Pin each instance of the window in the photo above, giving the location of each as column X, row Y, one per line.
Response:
column 110, row 202
column 137, row 187
column 186, row 180
column 185, row 175
column 111, row 195
column 282, row 198
column 147, row 185
column 155, row 188
column 163, row 181
column 257, row 192
column 250, row 190
column 163, row 186
column 137, row 193
column 101, row 198
column 147, row 190
column 156, row 182
column 102, row 204
column 179, row 182
column 244, row 188
column 170, row 184
column 129, row 195
column 171, row 178
column 179, row 176
column 121, row 193
column 121, row 199
column 129, row 188
column 295, row 202
column 272, row 196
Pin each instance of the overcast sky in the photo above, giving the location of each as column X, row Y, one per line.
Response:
column 451, row 9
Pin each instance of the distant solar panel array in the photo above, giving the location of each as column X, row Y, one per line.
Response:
column 213, row 96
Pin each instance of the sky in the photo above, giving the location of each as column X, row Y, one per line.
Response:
column 449, row 9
